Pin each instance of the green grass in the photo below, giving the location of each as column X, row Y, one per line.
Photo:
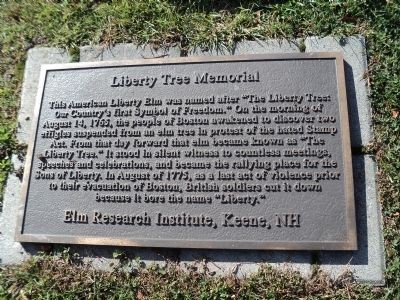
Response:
column 66, row 277
column 210, row 24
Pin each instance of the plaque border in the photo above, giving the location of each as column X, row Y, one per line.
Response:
column 349, row 244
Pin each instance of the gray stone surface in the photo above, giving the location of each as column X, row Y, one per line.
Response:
column 124, row 51
column 210, row 52
column 11, row 252
column 270, row 46
column 367, row 262
column 355, row 56
column 36, row 57
column 251, row 47
column 244, row 262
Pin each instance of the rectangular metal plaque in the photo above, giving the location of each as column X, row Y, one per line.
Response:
column 241, row 152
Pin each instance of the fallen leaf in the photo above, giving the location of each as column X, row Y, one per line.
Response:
column 139, row 296
column 395, row 113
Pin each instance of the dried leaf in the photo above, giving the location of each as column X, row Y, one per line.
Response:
column 139, row 296
column 395, row 113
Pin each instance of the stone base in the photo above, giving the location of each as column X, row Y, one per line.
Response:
column 367, row 263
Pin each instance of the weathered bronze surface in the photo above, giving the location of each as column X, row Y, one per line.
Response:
column 241, row 152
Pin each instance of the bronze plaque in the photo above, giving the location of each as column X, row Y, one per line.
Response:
column 241, row 152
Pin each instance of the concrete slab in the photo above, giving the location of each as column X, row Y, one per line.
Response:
column 35, row 58
column 210, row 52
column 10, row 251
column 269, row 46
column 251, row 47
column 355, row 56
column 367, row 262
column 124, row 52
column 243, row 263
